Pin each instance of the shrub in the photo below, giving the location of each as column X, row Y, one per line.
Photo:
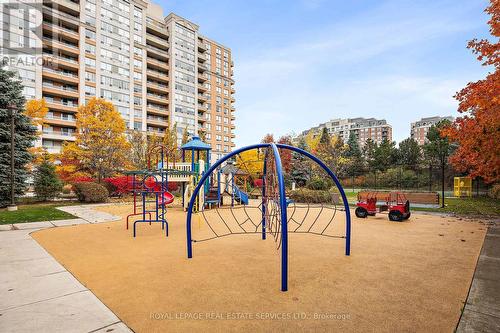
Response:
column 47, row 184
column 318, row 184
column 494, row 192
column 304, row 195
column 112, row 188
column 90, row 192
column 67, row 189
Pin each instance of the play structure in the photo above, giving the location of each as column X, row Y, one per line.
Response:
column 462, row 187
column 394, row 203
column 150, row 188
column 272, row 213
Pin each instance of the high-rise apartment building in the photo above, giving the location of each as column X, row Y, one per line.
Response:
column 363, row 129
column 156, row 70
column 420, row 128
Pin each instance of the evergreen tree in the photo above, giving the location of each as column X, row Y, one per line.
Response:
column 369, row 150
column 385, row 155
column 354, row 156
column 301, row 166
column 11, row 93
column 409, row 153
column 47, row 184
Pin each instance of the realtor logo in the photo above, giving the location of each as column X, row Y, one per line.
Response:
column 21, row 28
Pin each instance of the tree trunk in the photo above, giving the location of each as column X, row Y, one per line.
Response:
column 442, row 184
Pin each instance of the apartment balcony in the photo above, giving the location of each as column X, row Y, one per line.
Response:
column 57, row 135
column 64, row 4
column 62, row 91
column 155, row 130
column 202, row 97
column 58, row 14
column 201, row 120
column 202, row 68
column 202, row 88
column 202, row 57
column 157, row 27
column 157, row 111
column 202, row 108
column 61, row 45
column 60, row 121
column 201, row 46
column 157, row 98
column 157, row 122
column 59, row 105
column 158, row 76
column 57, row 30
column 157, row 41
column 232, row 99
column 202, row 78
column 232, row 90
column 62, row 62
column 156, row 87
column 157, row 51
column 233, row 135
column 154, row 63
column 59, row 75
column 232, row 63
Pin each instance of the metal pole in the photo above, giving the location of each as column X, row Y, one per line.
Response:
column 12, row 206
column 442, row 184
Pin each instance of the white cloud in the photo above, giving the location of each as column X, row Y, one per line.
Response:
column 293, row 87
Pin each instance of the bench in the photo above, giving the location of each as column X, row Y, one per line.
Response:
column 417, row 199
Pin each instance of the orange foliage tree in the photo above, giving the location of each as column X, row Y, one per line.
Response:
column 101, row 148
column 37, row 109
column 478, row 131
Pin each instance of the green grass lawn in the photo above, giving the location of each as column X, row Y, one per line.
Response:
column 34, row 213
column 479, row 206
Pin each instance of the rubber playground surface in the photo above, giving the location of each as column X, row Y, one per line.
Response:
column 411, row 276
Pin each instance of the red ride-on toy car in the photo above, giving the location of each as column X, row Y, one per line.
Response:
column 396, row 204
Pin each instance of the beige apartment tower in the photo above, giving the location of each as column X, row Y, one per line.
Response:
column 157, row 70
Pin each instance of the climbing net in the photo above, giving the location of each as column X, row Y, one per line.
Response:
column 263, row 212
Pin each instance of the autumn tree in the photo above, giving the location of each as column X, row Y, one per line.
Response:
column 477, row 132
column 138, row 149
column 285, row 154
column 268, row 138
column 251, row 161
column 101, row 147
column 36, row 110
column 385, row 155
column 331, row 150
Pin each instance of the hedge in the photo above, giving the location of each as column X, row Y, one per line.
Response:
column 305, row 195
column 90, row 192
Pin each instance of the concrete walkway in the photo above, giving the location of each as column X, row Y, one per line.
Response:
column 482, row 309
column 37, row 294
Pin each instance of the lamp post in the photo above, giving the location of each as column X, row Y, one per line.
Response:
column 12, row 207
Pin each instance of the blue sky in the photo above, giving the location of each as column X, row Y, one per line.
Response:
column 302, row 62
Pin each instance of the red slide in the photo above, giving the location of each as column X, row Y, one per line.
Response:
column 167, row 199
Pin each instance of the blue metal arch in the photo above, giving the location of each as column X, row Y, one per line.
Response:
column 281, row 184
column 201, row 182
column 339, row 186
